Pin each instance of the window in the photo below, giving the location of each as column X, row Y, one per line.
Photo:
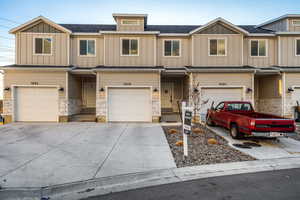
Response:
column 296, row 22
column 87, row 47
column 239, row 107
column 130, row 22
column 258, row 47
column 297, row 47
column 171, row 47
column 130, row 47
column 217, row 47
column 42, row 45
column 220, row 106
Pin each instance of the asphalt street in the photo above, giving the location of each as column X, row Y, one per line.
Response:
column 272, row 185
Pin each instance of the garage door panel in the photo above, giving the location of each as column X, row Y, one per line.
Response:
column 129, row 104
column 36, row 104
column 218, row 95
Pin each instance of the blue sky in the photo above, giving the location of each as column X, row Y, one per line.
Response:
column 160, row 12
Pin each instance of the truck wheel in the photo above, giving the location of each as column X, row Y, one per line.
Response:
column 209, row 122
column 234, row 132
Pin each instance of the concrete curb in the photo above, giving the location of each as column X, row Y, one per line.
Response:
column 106, row 185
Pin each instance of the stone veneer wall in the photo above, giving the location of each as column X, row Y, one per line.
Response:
column 74, row 106
column 289, row 107
column 270, row 106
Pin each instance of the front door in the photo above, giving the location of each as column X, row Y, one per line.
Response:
column 166, row 94
column 89, row 94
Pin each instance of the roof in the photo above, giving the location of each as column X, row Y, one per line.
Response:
column 279, row 18
column 95, row 28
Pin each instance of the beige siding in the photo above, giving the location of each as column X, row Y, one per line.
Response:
column 1, row 86
column 74, row 87
column 233, row 51
column 288, row 53
column 113, row 51
column 41, row 27
column 25, row 49
column 218, row 28
column 87, row 61
column 280, row 25
column 269, row 60
column 139, row 27
column 28, row 77
column 182, row 60
column 291, row 80
column 293, row 28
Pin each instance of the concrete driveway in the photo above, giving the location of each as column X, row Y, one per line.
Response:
column 34, row 155
column 270, row 149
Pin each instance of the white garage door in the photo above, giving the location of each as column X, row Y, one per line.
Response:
column 217, row 95
column 129, row 104
column 36, row 104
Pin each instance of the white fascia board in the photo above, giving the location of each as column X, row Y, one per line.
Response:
column 262, row 34
column 128, row 15
column 130, row 32
column 287, row 33
column 86, row 33
column 174, row 34
column 59, row 27
column 221, row 20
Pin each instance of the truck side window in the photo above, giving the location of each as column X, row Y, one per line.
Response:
column 220, row 106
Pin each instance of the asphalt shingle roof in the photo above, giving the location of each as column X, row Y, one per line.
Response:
column 95, row 28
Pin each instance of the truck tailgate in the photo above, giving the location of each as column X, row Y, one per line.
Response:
column 274, row 125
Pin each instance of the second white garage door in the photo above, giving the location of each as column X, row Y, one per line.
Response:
column 129, row 104
column 36, row 104
column 217, row 95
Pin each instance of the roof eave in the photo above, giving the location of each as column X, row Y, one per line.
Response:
column 277, row 19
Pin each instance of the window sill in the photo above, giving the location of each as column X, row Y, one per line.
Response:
column 42, row 54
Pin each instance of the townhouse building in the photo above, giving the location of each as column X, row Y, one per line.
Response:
column 133, row 71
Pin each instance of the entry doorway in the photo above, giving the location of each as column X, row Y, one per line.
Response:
column 167, row 94
column 89, row 94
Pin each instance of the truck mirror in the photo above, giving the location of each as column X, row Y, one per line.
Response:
column 212, row 105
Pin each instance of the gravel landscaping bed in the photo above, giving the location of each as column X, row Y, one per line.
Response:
column 200, row 152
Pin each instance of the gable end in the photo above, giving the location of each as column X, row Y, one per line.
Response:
column 217, row 28
column 41, row 27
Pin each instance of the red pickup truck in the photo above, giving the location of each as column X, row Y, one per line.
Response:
column 240, row 118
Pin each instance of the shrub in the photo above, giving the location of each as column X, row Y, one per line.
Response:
column 197, row 130
column 212, row 141
column 179, row 143
column 172, row 131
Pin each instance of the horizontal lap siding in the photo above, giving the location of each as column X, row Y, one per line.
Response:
column 139, row 27
column 201, row 51
column 271, row 58
column 183, row 60
column 42, row 78
column 25, row 49
column 288, row 53
column 292, row 27
column 113, row 51
column 86, row 61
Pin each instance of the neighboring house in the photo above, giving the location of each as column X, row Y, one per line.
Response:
column 1, row 85
column 132, row 71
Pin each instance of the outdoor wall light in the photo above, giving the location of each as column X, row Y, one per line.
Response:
column 101, row 89
column 61, row 89
column 7, row 88
column 155, row 90
column 249, row 90
column 290, row 89
column 196, row 90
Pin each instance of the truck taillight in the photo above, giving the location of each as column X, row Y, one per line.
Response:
column 252, row 123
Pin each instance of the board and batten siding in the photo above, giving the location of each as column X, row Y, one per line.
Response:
column 261, row 61
column 87, row 61
column 233, row 50
column 145, row 55
column 25, row 49
column 28, row 77
column 280, row 25
column 174, row 61
column 139, row 27
column 288, row 51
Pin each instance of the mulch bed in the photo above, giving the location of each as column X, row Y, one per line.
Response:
column 200, row 152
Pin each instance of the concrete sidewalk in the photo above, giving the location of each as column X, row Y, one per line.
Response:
column 106, row 185
column 42, row 154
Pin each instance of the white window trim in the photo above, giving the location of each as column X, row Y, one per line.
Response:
column 218, row 38
column 295, row 24
column 267, row 48
column 137, row 24
column 87, row 54
column 129, row 38
column 163, row 43
column 42, row 54
column 296, row 46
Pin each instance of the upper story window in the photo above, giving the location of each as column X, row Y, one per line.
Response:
column 258, row 47
column 130, row 22
column 87, row 47
column 129, row 47
column 298, row 47
column 217, row 47
column 171, row 47
column 296, row 22
column 42, row 46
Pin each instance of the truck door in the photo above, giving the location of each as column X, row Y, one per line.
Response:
column 218, row 113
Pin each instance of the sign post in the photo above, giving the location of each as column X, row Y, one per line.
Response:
column 186, row 126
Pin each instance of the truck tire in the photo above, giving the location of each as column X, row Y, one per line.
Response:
column 209, row 122
column 234, row 132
